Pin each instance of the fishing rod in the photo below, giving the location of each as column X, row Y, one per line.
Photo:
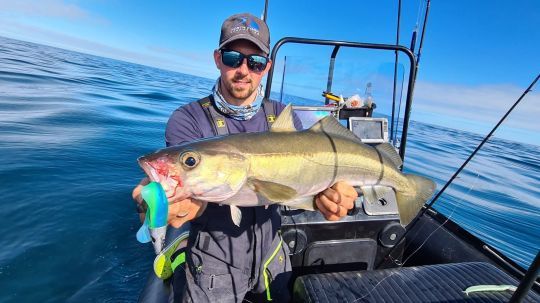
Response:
column 418, row 55
column 422, row 37
column 486, row 138
column 393, row 133
column 527, row 282
column 412, row 47
column 395, row 73
column 265, row 12
column 283, row 78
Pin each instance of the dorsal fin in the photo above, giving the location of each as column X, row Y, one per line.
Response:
column 284, row 122
column 330, row 125
column 388, row 150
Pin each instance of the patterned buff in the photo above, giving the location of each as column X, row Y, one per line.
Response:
column 234, row 111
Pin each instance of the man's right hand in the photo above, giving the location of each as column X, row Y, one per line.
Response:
column 181, row 208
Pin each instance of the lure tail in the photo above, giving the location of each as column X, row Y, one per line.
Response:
column 154, row 227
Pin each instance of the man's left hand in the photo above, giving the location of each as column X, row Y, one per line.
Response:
column 336, row 201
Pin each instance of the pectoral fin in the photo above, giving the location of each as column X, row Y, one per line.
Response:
column 306, row 203
column 273, row 191
column 236, row 215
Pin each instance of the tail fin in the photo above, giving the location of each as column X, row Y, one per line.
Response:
column 411, row 200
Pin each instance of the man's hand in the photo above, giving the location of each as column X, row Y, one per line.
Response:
column 181, row 207
column 336, row 201
column 136, row 195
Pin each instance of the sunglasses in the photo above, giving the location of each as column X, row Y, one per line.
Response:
column 234, row 59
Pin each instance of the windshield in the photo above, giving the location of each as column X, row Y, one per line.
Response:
column 301, row 80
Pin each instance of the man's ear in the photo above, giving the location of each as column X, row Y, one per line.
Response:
column 268, row 66
column 217, row 58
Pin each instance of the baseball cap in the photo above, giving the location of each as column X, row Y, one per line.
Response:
column 248, row 27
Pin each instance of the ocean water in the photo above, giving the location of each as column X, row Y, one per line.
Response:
column 72, row 126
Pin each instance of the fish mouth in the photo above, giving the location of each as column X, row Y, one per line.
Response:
column 150, row 171
column 160, row 170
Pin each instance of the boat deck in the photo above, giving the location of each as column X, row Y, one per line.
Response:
column 430, row 283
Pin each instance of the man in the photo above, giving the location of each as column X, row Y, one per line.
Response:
column 224, row 261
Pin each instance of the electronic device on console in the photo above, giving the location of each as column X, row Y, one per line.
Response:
column 369, row 130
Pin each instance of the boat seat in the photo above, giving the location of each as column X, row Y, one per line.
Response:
column 430, row 283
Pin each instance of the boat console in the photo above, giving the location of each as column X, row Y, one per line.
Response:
column 318, row 245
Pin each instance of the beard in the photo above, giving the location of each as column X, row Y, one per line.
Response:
column 239, row 91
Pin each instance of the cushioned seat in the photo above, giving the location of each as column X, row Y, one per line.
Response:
column 432, row 283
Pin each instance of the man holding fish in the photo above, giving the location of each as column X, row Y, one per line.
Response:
column 234, row 250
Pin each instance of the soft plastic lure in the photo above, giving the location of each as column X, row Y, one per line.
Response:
column 489, row 288
column 154, row 227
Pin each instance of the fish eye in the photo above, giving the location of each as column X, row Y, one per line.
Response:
column 189, row 159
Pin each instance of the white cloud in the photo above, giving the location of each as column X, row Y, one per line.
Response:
column 483, row 103
column 182, row 62
column 179, row 53
column 47, row 8
column 52, row 38
column 194, row 63
column 16, row 22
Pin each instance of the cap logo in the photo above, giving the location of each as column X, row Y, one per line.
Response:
column 246, row 24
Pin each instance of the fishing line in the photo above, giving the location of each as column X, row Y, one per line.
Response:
column 401, row 264
column 439, row 227
column 420, row 9
column 369, row 293
column 486, row 138
column 415, row 30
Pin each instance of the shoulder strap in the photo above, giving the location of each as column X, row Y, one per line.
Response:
column 268, row 108
column 216, row 119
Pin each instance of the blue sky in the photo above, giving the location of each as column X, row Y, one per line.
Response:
column 478, row 56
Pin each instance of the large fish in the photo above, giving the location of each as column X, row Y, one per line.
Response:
column 287, row 167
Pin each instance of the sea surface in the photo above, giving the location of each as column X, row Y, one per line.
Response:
column 72, row 126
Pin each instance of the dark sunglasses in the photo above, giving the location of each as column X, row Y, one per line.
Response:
column 234, row 59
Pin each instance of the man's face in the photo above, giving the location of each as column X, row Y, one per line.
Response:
column 239, row 85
